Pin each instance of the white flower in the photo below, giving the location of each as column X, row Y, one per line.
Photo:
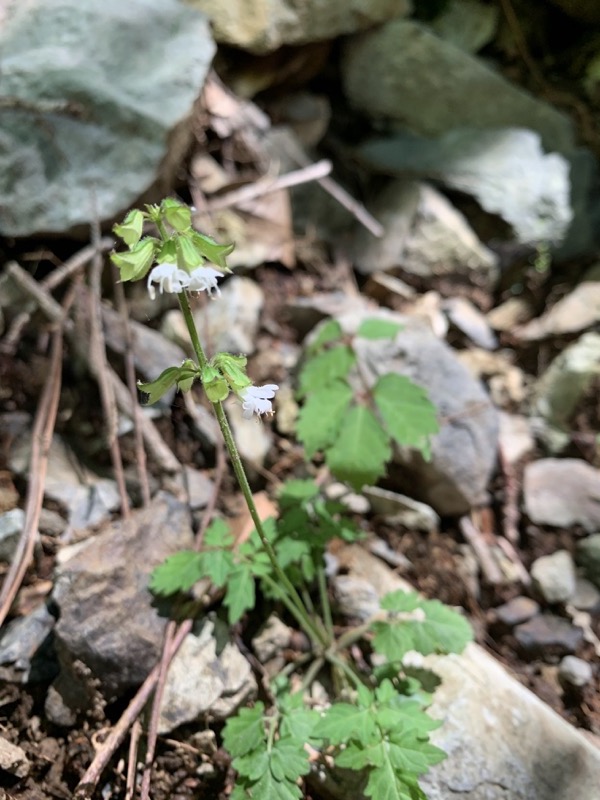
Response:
column 169, row 279
column 257, row 399
column 204, row 279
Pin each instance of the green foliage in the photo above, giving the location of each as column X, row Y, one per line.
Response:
column 352, row 425
column 182, row 377
column 385, row 735
column 414, row 623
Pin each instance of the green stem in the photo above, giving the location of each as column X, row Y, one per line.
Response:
column 325, row 604
column 346, row 670
column 302, row 616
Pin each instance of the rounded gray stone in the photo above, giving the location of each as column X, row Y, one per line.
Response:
column 575, row 672
column 554, row 577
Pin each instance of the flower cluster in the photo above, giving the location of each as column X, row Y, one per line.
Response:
column 172, row 279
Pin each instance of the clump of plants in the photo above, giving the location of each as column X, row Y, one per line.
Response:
column 376, row 722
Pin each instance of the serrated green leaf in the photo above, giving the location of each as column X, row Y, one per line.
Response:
column 289, row 759
column 342, row 722
column 362, row 449
column 296, row 491
column 299, row 722
column 386, row 784
column 218, row 534
column 252, row 765
column 218, row 565
column 268, row 788
column 321, row 416
column 323, row 369
column 241, row 592
column 406, row 411
column 427, row 626
column 330, row 331
column 378, row 329
column 177, row 573
column 409, row 754
column 239, row 793
column 246, row 731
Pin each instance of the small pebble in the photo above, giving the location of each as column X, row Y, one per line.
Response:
column 516, row 611
column 586, row 597
column 574, row 672
column 548, row 635
column 554, row 576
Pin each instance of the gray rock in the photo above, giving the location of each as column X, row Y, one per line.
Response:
column 516, row 611
column 401, row 509
column 51, row 522
column 562, row 492
column 273, row 637
column 20, row 642
column 107, row 619
column 586, row 597
column 574, row 672
column 464, row 450
column 506, row 170
column 546, row 635
column 265, row 25
column 11, row 527
column 554, row 576
column 90, row 128
column 406, row 73
column 88, row 499
column 424, row 236
column 306, row 312
column 355, row 597
column 13, row 759
column 202, row 682
column 199, row 487
column 353, row 501
column 587, row 556
column 465, row 316
column 467, row 24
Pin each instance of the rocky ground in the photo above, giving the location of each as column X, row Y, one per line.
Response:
column 472, row 223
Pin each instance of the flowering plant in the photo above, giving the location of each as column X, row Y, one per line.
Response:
column 376, row 722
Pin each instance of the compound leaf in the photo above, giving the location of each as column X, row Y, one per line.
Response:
column 241, row 592
column 246, row 731
column 177, row 573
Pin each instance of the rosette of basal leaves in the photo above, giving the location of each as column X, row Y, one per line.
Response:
column 355, row 428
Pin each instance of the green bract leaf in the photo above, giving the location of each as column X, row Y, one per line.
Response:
column 323, row 369
column 232, row 368
column 188, row 256
column 178, row 573
column 331, row 331
column 427, row 626
column 182, row 376
column 176, row 214
column 361, row 450
column 246, row 731
column 378, row 329
column 212, row 251
column 130, row 230
column 321, row 416
column 406, row 411
column 134, row 264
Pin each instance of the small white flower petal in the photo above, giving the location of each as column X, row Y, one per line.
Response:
column 205, row 279
column 257, row 399
column 169, row 279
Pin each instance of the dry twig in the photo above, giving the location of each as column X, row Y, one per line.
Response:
column 486, row 560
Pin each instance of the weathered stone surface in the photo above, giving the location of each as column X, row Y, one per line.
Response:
column 200, row 681
column 502, row 741
column 546, row 635
column 13, row 759
column 506, row 170
column 265, row 25
column 107, row 619
column 554, row 576
column 20, row 642
column 102, row 94
column 405, row 72
column 424, row 235
column 11, row 527
column 464, row 450
column 563, row 492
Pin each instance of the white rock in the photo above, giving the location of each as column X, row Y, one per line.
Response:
column 573, row 671
column 562, row 492
column 554, row 576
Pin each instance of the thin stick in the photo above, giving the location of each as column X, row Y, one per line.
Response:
column 99, row 367
column 343, row 197
column 486, row 561
column 134, row 739
column 43, row 429
column 140, row 453
column 267, row 185
column 45, row 302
